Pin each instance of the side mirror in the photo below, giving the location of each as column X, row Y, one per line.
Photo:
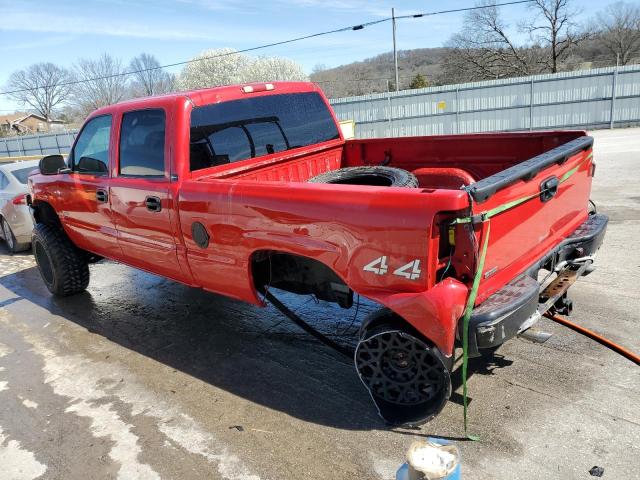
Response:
column 52, row 164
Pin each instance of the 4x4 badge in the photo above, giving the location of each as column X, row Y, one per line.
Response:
column 411, row 270
column 379, row 266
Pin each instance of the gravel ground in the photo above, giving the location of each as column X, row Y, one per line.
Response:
column 141, row 377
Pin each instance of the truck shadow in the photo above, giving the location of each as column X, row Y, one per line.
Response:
column 248, row 351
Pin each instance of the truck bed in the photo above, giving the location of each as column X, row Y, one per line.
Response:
column 480, row 155
column 271, row 202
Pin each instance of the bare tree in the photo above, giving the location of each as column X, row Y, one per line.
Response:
column 42, row 86
column 102, row 82
column 318, row 67
column 484, row 49
column 148, row 78
column 553, row 28
column 619, row 31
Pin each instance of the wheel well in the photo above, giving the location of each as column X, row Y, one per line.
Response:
column 43, row 212
column 298, row 274
column 385, row 318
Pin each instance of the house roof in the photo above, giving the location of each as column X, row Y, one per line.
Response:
column 20, row 117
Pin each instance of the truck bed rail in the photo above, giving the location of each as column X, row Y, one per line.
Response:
column 485, row 188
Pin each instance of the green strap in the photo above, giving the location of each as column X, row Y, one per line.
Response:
column 473, row 294
column 465, row 326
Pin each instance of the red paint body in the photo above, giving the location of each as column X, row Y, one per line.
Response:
column 265, row 203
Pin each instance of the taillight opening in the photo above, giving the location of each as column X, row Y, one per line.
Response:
column 20, row 199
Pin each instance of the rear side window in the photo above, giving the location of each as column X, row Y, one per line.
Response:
column 231, row 131
column 4, row 181
column 22, row 174
column 91, row 151
column 142, row 143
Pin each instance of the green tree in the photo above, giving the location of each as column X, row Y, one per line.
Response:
column 419, row 82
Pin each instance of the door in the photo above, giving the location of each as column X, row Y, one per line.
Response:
column 141, row 201
column 84, row 192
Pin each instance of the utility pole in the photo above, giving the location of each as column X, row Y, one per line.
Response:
column 395, row 52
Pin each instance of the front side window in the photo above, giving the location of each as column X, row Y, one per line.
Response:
column 91, row 151
column 142, row 143
column 240, row 129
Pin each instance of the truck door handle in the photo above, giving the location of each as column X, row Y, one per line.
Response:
column 153, row 204
column 102, row 196
column 549, row 188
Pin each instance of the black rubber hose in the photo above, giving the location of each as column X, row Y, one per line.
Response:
column 347, row 352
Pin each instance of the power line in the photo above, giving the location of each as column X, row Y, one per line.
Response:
column 458, row 10
column 268, row 45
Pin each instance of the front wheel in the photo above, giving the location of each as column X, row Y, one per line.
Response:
column 62, row 265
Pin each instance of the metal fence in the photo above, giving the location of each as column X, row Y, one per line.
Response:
column 599, row 98
column 46, row 144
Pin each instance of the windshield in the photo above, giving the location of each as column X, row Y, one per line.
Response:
column 22, row 174
column 231, row 131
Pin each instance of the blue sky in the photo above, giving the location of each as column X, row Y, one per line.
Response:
column 174, row 30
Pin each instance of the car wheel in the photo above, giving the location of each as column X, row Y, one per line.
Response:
column 10, row 239
column 378, row 176
column 407, row 377
column 62, row 265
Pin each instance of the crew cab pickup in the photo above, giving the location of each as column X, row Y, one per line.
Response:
column 240, row 189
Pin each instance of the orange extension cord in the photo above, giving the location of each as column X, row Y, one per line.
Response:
column 635, row 358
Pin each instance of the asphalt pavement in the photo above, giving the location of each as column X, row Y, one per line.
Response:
column 144, row 378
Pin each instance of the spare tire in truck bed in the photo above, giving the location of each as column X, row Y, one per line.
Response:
column 378, row 176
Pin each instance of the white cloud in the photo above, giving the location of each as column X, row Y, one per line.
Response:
column 38, row 21
column 37, row 43
column 374, row 8
column 120, row 18
column 218, row 5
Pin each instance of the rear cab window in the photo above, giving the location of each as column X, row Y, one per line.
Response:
column 238, row 130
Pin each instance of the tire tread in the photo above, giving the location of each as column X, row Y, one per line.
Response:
column 70, row 268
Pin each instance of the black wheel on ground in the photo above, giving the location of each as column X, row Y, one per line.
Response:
column 406, row 377
column 10, row 239
column 62, row 265
column 379, row 176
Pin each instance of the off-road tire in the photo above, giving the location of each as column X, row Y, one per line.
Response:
column 92, row 257
column 62, row 265
column 10, row 239
column 379, row 176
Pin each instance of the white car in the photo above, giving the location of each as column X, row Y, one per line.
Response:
column 15, row 219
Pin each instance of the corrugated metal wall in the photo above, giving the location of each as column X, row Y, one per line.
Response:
column 37, row 144
column 581, row 99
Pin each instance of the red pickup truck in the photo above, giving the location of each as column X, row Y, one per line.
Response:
column 240, row 189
